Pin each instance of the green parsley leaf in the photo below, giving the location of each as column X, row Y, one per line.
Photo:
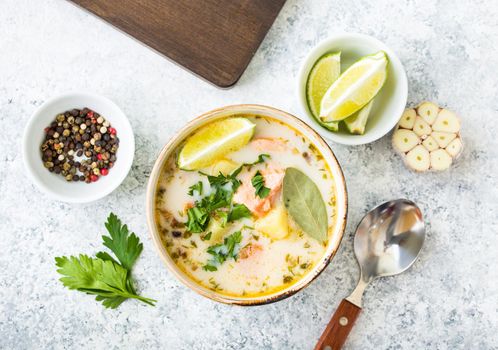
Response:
column 106, row 278
column 124, row 245
column 103, row 278
column 208, row 267
column 239, row 211
column 261, row 159
column 207, row 236
column 229, row 249
column 197, row 187
column 197, row 219
column 223, row 217
column 258, row 182
column 222, row 180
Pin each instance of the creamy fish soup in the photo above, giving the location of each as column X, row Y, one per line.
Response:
column 252, row 212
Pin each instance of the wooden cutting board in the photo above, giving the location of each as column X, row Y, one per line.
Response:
column 214, row 39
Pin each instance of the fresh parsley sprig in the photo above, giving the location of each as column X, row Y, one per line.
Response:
column 106, row 278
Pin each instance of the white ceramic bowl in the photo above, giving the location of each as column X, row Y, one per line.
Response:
column 55, row 185
column 389, row 103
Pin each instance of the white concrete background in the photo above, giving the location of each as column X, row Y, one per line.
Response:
column 448, row 300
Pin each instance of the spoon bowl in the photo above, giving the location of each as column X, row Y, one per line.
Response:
column 389, row 239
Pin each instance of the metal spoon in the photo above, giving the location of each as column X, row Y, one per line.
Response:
column 388, row 240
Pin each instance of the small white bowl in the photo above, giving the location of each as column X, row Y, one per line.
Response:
column 55, row 185
column 389, row 103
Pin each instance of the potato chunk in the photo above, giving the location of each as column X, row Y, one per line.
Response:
column 274, row 224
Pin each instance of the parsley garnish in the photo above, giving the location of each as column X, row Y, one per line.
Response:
column 261, row 159
column 223, row 217
column 103, row 276
column 229, row 249
column 222, row 180
column 207, row 236
column 239, row 211
column 198, row 218
column 258, row 182
column 208, row 267
column 197, row 187
column 223, row 188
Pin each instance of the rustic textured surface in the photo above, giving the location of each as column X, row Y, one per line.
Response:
column 448, row 300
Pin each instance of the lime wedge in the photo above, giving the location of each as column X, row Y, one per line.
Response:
column 354, row 88
column 323, row 74
column 213, row 141
column 332, row 126
column 357, row 122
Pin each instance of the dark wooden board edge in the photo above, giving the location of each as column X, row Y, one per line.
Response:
column 223, row 84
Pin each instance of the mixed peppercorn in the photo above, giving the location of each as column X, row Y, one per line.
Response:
column 80, row 145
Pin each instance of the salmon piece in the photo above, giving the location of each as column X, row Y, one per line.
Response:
column 250, row 250
column 264, row 144
column 247, row 195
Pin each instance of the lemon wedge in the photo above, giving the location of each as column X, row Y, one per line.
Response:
column 213, row 141
column 354, row 88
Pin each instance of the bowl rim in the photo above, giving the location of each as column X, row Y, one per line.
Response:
column 340, row 225
column 321, row 48
column 27, row 140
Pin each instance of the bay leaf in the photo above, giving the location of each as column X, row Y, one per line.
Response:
column 305, row 204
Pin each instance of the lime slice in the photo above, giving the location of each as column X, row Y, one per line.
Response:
column 323, row 74
column 354, row 88
column 214, row 141
column 357, row 122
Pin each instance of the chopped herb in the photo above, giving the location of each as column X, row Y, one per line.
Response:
column 197, row 187
column 288, row 279
column 223, row 216
column 208, row 267
column 258, row 182
column 239, row 211
column 194, row 245
column 261, row 159
column 221, row 252
column 197, row 218
column 207, row 236
column 223, row 188
column 216, row 285
column 222, row 180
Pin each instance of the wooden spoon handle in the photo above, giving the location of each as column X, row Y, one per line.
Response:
column 334, row 336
